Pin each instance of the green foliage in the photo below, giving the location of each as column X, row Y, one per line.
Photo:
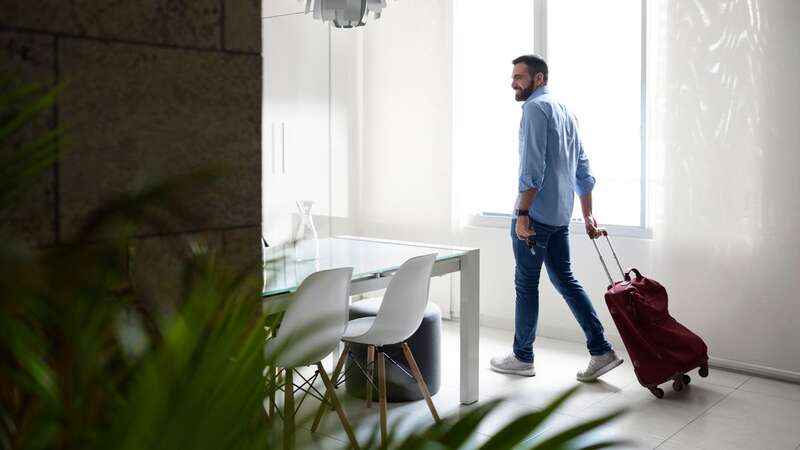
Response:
column 202, row 386
column 20, row 166
column 84, row 363
column 460, row 432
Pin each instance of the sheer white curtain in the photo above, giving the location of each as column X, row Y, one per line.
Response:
column 723, row 159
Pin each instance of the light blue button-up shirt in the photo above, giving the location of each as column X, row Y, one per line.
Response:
column 551, row 158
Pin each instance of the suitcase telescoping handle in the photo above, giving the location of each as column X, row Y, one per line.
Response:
column 604, row 232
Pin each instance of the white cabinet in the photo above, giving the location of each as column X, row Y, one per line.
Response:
column 280, row 7
column 295, row 121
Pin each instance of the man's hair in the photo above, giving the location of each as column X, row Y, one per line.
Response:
column 535, row 65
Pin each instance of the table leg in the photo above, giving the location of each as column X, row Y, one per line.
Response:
column 469, row 325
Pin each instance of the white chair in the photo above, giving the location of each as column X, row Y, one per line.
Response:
column 399, row 316
column 312, row 326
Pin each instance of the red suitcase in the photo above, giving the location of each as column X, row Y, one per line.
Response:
column 660, row 348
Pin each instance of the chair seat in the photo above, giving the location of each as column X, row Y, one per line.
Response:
column 281, row 355
column 358, row 328
column 424, row 343
column 291, row 353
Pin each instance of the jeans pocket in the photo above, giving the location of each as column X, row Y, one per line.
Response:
column 542, row 236
column 537, row 244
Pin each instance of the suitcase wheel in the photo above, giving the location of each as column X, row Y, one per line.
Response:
column 703, row 371
column 658, row 392
column 680, row 381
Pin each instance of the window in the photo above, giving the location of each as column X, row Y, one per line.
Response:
column 595, row 52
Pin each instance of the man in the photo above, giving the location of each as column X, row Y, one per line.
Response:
column 552, row 168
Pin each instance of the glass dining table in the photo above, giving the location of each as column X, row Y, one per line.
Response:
column 374, row 261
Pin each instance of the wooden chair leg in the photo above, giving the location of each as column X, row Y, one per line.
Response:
column 340, row 364
column 337, row 406
column 272, row 378
column 272, row 387
column 288, row 410
column 412, row 363
column 382, row 398
column 336, row 371
column 370, row 365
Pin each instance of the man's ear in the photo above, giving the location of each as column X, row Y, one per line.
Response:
column 538, row 79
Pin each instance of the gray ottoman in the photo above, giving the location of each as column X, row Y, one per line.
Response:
column 425, row 344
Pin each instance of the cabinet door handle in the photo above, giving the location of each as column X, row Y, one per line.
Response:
column 272, row 139
column 283, row 148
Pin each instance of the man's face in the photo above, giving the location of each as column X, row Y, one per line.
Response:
column 522, row 82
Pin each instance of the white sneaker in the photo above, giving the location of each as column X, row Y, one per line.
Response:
column 510, row 364
column 599, row 365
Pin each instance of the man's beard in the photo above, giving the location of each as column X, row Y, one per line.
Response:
column 523, row 95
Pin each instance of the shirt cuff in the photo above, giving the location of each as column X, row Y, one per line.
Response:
column 584, row 186
column 526, row 183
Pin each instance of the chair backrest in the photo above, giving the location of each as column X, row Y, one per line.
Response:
column 316, row 318
column 404, row 302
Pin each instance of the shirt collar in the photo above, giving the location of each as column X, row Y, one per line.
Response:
column 541, row 90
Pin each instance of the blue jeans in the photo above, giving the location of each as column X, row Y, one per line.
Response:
column 552, row 249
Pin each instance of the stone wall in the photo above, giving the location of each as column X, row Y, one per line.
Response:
column 152, row 88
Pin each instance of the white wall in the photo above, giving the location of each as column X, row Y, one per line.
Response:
column 724, row 198
column 406, row 165
column 346, row 82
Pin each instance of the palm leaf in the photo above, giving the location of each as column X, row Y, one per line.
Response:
column 202, row 388
column 26, row 164
column 155, row 204
column 455, row 434
column 520, row 429
column 21, row 165
column 24, row 107
column 580, row 430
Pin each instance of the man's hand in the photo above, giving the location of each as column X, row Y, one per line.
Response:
column 524, row 231
column 591, row 227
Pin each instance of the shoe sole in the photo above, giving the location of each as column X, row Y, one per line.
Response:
column 522, row 373
column 603, row 370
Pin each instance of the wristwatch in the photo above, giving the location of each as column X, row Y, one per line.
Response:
column 522, row 212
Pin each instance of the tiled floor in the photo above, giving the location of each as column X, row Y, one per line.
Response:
column 724, row 411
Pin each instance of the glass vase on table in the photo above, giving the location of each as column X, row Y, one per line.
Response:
column 306, row 237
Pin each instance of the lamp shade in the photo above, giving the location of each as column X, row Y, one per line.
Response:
column 345, row 13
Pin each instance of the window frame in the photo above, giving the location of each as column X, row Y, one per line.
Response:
column 643, row 229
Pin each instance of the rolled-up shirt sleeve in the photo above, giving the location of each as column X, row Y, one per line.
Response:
column 534, row 148
column 584, row 181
